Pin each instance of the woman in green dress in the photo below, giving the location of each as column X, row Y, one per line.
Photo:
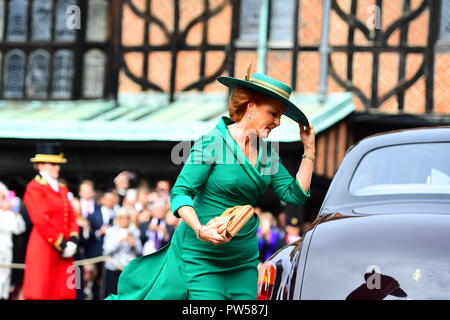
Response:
column 231, row 165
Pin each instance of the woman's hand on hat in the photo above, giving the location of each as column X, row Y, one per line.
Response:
column 209, row 233
column 307, row 136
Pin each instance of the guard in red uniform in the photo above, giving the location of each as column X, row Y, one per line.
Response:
column 49, row 270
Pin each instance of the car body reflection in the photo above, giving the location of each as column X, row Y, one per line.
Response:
column 371, row 220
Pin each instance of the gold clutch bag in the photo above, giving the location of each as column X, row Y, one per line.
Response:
column 235, row 217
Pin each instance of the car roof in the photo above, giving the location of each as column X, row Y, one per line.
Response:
column 340, row 194
column 414, row 135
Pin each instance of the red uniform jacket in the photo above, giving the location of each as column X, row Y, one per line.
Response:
column 47, row 274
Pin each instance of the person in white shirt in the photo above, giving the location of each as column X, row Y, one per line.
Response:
column 10, row 223
column 108, row 210
column 122, row 244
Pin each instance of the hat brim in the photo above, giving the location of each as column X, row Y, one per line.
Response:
column 48, row 159
column 290, row 110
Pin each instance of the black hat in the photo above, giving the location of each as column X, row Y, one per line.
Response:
column 293, row 221
column 49, row 152
column 294, row 215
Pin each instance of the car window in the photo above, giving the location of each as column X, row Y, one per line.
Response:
column 404, row 169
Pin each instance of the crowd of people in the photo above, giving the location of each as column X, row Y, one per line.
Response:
column 121, row 223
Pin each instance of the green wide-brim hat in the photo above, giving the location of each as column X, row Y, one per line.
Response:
column 271, row 87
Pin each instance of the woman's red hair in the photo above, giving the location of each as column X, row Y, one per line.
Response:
column 239, row 98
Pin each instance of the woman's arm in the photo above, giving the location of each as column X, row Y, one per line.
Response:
column 288, row 189
column 205, row 233
column 192, row 177
column 305, row 171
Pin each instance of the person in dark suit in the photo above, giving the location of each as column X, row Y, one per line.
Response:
column 156, row 233
column 100, row 221
column 86, row 193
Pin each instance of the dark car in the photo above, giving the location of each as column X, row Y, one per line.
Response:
column 383, row 231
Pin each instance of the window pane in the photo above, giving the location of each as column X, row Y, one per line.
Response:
column 17, row 20
column 63, row 20
column 97, row 21
column 63, row 71
column 2, row 18
column 404, row 169
column 249, row 22
column 282, row 20
column 37, row 75
column 42, row 19
column 445, row 20
column 94, row 74
column 14, row 74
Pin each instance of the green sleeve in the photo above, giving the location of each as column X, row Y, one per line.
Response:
column 193, row 175
column 286, row 187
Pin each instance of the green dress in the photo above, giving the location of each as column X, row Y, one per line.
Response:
column 217, row 175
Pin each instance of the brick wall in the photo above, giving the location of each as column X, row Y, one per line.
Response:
column 279, row 64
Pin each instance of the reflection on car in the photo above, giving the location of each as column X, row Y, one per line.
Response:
column 377, row 286
column 383, row 229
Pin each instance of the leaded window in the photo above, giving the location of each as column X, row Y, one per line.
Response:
column 14, row 73
column 63, row 32
column 37, row 74
column 17, row 21
column 50, row 47
column 280, row 20
column 63, row 74
column 249, row 22
column 445, row 21
column 42, row 20
column 94, row 75
column 97, row 26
